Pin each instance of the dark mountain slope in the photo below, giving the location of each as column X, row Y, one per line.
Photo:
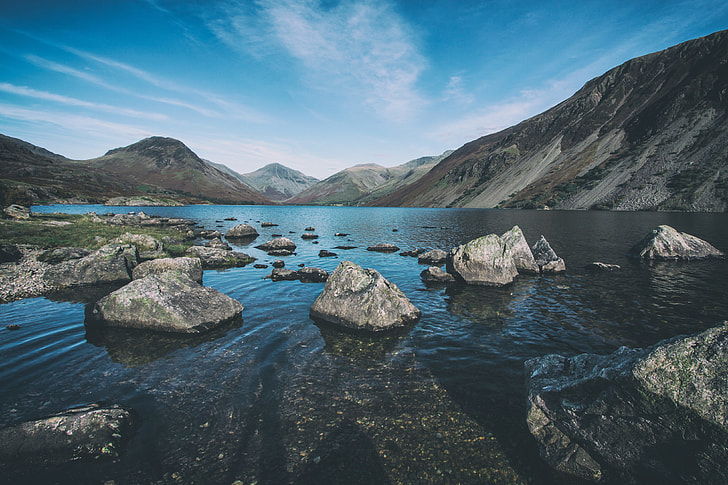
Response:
column 649, row 134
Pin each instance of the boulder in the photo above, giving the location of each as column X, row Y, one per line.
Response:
column 309, row 235
column 482, row 261
column 279, row 263
column 324, row 253
column 143, row 242
column 10, row 253
column 268, row 224
column 17, row 211
column 58, row 255
column 241, row 231
column 192, row 267
column 517, row 246
column 218, row 258
column 278, row 244
column 85, row 433
column 282, row 274
column 110, row 264
column 312, row 275
column 665, row 243
column 434, row 274
column 436, row 257
column 166, row 302
column 362, row 299
column 216, row 242
column 654, row 414
column 383, row 248
column 546, row 258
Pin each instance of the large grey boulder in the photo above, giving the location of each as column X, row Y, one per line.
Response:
column 192, row 267
column 517, row 246
column 436, row 257
column 546, row 258
column 628, row 415
column 278, row 244
column 666, row 243
column 363, row 299
column 242, row 231
column 111, row 264
column 85, row 433
column 483, row 261
column 218, row 258
column 166, row 302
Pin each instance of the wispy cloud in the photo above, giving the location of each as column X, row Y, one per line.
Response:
column 455, row 92
column 361, row 49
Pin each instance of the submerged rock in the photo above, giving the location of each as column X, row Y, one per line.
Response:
column 434, row 274
column 436, row 257
column 110, row 264
column 522, row 256
column 482, row 261
column 630, row 414
column 241, row 231
column 666, row 243
column 86, row 433
column 362, row 299
column 192, row 267
column 546, row 258
column 383, row 248
column 166, row 302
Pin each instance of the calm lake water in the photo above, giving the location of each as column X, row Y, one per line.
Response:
column 277, row 398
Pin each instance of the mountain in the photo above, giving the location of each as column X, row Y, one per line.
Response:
column 362, row 183
column 278, row 182
column 650, row 134
column 158, row 166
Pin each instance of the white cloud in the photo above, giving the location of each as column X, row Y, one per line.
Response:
column 455, row 92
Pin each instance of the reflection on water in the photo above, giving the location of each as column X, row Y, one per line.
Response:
column 278, row 398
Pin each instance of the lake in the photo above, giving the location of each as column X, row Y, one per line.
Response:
column 278, row 398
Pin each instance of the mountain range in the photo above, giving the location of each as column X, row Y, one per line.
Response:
column 650, row 134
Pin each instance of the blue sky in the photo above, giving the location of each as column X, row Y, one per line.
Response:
column 316, row 85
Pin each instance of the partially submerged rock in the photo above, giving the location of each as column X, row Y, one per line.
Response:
column 325, row 253
column 219, row 258
column 598, row 266
column 383, row 248
column 666, row 243
column 241, row 231
column 522, row 256
column 546, row 258
column 282, row 274
column 278, row 244
column 110, row 264
column 166, row 302
column 86, row 433
column 309, row 274
column 434, row 274
column 309, row 235
column 631, row 413
column 362, row 299
column 192, row 267
column 436, row 257
column 483, row 261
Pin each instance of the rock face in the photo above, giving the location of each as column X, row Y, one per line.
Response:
column 219, row 258
column 434, row 274
column 666, row 243
column 436, row 257
column 516, row 244
column 242, row 231
column 86, row 433
column 109, row 265
column 362, row 299
column 547, row 260
column 192, row 267
column 167, row 302
column 278, row 244
column 483, row 261
column 652, row 414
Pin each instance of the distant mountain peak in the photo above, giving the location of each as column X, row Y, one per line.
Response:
column 278, row 182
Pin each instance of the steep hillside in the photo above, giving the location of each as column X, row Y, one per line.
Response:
column 649, row 134
column 362, row 183
column 278, row 182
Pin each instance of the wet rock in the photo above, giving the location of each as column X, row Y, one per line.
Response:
column 665, row 243
column 341, row 234
column 310, row 229
column 218, row 243
column 434, row 274
column 517, row 246
column 278, row 263
column 260, row 266
column 58, row 255
column 326, row 254
column 85, row 433
column 166, row 302
column 546, row 258
column 383, row 248
column 312, row 275
column 231, row 219
column 483, row 261
column 362, row 299
column 16, row 211
column 110, row 264
column 309, row 235
column 597, row 266
column 241, row 231
column 218, row 258
column 9, row 253
column 659, row 412
column 13, row 326
column 436, row 257
column 282, row 274
column 345, row 248
column 278, row 244
column 268, row 224
column 413, row 252
column 192, row 267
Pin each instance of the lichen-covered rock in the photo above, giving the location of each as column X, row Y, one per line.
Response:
column 278, row 244
column 218, row 258
column 666, row 243
column 143, row 242
column 111, row 264
column 434, row 274
column 436, row 257
column 242, row 231
column 86, row 433
column 516, row 244
column 166, row 302
column 483, row 261
column 363, row 299
column 192, row 267
column 546, row 258
column 628, row 415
